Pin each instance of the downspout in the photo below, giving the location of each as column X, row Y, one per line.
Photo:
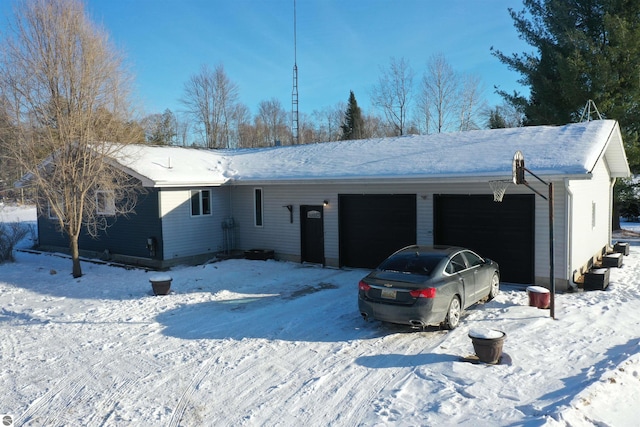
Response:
column 612, row 183
column 568, row 235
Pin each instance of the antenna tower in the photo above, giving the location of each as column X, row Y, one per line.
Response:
column 586, row 113
column 294, row 93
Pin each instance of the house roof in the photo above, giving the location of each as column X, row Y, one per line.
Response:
column 556, row 151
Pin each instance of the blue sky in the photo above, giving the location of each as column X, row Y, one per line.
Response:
column 341, row 44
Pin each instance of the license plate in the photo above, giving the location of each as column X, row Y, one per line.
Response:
column 388, row 293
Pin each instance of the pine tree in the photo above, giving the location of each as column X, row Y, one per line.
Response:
column 585, row 49
column 496, row 120
column 353, row 126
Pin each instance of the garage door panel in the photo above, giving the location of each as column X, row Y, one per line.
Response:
column 501, row 231
column 372, row 226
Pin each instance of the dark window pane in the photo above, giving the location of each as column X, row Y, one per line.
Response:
column 195, row 202
column 258, row 201
column 206, row 202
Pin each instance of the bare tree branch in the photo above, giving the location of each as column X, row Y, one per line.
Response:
column 67, row 91
column 393, row 92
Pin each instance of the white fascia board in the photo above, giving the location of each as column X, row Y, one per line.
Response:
column 405, row 180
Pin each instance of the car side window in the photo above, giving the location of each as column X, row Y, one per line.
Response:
column 456, row 264
column 473, row 259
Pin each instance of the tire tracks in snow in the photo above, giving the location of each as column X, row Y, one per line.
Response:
column 296, row 379
column 187, row 393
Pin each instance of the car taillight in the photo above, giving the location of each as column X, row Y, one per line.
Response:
column 363, row 286
column 423, row 293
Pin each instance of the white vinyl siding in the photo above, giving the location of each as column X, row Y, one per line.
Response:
column 283, row 236
column 590, row 216
column 185, row 235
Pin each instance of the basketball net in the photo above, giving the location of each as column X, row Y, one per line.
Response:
column 499, row 187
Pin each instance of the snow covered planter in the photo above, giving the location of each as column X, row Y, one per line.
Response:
column 621, row 247
column 538, row 296
column 596, row 279
column 161, row 284
column 487, row 343
column 612, row 260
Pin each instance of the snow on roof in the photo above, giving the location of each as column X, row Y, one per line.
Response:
column 566, row 150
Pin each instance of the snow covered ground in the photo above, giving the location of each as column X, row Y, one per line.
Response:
column 245, row 343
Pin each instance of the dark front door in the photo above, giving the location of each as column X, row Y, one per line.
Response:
column 312, row 233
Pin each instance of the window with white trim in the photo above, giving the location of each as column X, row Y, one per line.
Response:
column 51, row 213
column 593, row 214
column 105, row 203
column 258, row 205
column 200, row 202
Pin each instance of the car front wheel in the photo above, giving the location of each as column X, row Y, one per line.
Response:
column 495, row 287
column 453, row 314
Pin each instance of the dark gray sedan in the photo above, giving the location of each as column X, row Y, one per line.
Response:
column 427, row 285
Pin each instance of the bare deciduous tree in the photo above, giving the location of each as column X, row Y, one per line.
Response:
column 68, row 93
column 161, row 129
column 210, row 98
column 393, row 92
column 328, row 123
column 438, row 96
column 274, row 118
column 447, row 101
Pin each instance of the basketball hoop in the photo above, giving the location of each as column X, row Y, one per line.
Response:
column 499, row 187
column 518, row 168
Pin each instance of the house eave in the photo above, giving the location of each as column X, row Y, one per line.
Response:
column 431, row 179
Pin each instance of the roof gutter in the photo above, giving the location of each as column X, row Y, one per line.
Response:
column 451, row 179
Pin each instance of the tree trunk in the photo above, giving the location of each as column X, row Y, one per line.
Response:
column 75, row 257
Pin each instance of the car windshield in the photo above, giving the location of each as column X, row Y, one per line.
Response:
column 412, row 263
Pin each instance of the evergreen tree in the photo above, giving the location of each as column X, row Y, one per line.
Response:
column 584, row 49
column 496, row 120
column 353, row 126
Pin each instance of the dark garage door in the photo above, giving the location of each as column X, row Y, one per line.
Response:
column 373, row 226
column 502, row 231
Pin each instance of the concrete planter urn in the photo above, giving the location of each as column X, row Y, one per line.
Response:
column 487, row 343
column 161, row 284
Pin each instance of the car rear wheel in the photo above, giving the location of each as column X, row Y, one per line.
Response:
column 495, row 287
column 453, row 314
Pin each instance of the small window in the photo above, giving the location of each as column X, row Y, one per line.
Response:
column 51, row 213
column 200, row 202
column 593, row 214
column 257, row 202
column 105, row 203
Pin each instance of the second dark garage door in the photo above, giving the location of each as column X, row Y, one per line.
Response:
column 502, row 231
column 373, row 226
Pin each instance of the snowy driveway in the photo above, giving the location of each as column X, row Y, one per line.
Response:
column 272, row 343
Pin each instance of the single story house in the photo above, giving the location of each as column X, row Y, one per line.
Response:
column 352, row 203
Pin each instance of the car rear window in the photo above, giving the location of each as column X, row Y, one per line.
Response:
column 412, row 263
